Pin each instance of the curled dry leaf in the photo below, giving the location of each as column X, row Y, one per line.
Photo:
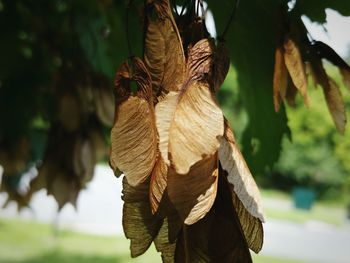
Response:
column 335, row 105
column 221, row 66
column 197, row 123
column 295, row 66
column 134, row 135
column 280, row 78
column 200, row 59
column 239, row 175
column 139, row 224
column 163, row 53
column 193, row 194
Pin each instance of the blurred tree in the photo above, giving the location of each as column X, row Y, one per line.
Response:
column 317, row 156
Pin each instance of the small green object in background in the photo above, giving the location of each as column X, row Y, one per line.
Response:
column 303, row 198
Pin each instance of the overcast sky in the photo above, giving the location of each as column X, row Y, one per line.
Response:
column 336, row 32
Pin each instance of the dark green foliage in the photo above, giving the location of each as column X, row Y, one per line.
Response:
column 252, row 44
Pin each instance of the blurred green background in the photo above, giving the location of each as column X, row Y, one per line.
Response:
column 49, row 48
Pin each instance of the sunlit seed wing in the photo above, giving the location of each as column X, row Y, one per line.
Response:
column 193, row 194
column 239, row 175
column 163, row 53
column 196, row 126
column 134, row 135
column 335, row 105
column 280, row 78
column 164, row 114
column 158, row 183
column 296, row 68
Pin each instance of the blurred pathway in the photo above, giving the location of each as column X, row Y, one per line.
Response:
column 99, row 210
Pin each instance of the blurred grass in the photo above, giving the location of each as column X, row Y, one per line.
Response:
column 319, row 213
column 28, row 242
column 327, row 212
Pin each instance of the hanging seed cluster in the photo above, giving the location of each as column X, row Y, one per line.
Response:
column 186, row 186
column 298, row 56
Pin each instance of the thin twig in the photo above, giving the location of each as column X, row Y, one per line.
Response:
column 185, row 3
column 233, row 14
column 175, row 7
column 202, row 9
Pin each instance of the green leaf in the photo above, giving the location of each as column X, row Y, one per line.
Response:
column 251, row 42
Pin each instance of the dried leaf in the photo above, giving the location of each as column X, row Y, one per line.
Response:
column 192, row 244
column 215, row 238
column 291, row 93
column 310, row 72
column 163, row 55
column 335, row 105
column 193, row 194
column 279, row 79
column 319, row 73
column 239, row 175
column 295, row 66
column 139, row 224
column 226, row 241
column 134, row 134
column 158, row 184
column 164, row 114
column 164, row 245
column 346, row 77
column 197, row 113
column 200, row 59
column 332, row 95
column 251, row 226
